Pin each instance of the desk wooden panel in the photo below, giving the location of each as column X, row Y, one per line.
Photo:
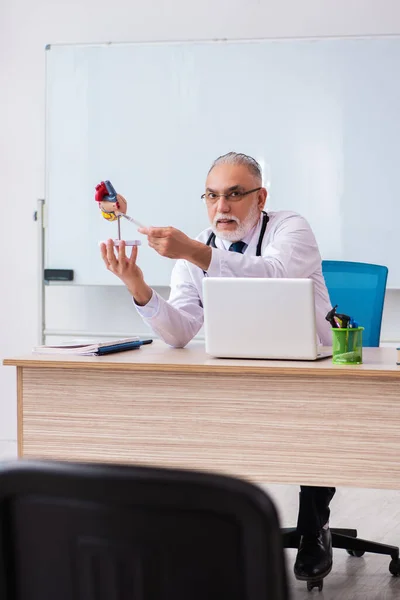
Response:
column 268, row 421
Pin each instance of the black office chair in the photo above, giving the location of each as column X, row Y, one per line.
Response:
column 93, row 532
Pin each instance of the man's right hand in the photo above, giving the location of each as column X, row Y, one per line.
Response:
column 127, row 270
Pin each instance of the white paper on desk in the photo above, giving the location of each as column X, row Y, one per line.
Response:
column 76, row 347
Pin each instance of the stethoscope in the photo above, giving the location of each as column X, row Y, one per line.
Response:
column 211, row 239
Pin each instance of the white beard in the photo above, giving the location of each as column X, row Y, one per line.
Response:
column 243, row 227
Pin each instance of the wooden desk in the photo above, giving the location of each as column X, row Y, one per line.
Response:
column 268, row 421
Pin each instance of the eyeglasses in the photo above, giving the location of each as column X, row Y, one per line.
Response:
column 235, row 196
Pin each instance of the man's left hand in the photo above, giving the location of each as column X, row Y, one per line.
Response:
column 173, row 243
column 168, row 241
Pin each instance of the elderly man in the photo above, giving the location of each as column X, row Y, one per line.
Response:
column 243, row 241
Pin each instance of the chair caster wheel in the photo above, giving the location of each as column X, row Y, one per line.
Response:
column 394, row 567
column 315, row 584
column 357, row 553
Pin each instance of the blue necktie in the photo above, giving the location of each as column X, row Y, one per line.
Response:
column 237, row 247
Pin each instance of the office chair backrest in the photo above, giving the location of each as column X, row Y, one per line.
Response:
column 359, row 291
column 92, row 532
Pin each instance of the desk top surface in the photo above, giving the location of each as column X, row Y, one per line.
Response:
column 378, row 362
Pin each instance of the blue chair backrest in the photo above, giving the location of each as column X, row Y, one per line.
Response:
column 359, row 291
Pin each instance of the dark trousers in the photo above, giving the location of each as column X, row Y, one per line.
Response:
column 313, row 508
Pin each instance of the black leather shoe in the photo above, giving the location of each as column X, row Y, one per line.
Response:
column 314, row 558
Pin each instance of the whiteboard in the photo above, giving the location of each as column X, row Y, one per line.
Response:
column 322, row 117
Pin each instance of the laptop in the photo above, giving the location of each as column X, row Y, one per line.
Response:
column 260, row 318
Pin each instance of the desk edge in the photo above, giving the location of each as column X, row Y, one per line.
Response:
column 356, row 371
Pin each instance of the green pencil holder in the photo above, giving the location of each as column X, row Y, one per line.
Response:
column 347, row 346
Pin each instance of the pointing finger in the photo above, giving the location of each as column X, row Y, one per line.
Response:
column 158, row 232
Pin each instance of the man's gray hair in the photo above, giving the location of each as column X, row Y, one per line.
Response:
column 237, row 158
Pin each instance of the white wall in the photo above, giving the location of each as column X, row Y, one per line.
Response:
column 25, row 27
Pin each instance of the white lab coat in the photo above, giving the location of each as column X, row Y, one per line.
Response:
column 289, row 249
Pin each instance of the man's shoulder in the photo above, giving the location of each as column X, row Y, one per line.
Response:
column 281, row 215
column 289, row 217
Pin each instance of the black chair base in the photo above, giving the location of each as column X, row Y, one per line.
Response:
column 347, row 540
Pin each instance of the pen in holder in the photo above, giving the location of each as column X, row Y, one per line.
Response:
column 347, row 346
